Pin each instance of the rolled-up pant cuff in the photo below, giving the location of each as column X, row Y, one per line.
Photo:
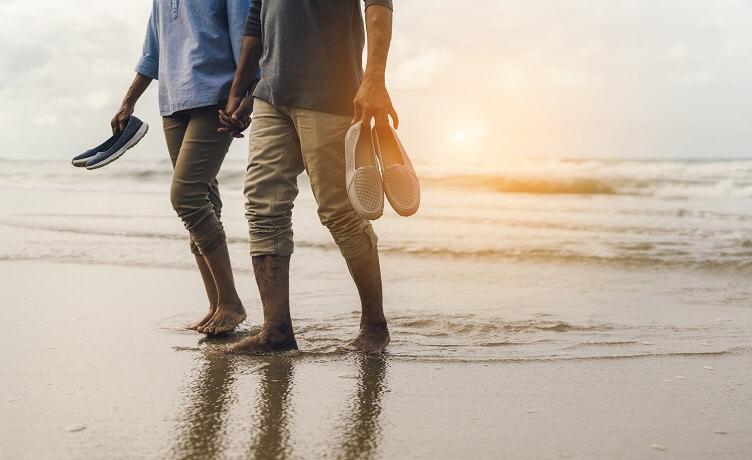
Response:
column 272, row 243
column 359, row 245
column 280, row 243
column 209, row 244
column 194, row 248
column 206, row 235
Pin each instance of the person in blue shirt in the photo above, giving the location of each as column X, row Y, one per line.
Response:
column 192, row 48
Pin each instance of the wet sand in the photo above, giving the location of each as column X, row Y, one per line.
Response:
column 95, row 365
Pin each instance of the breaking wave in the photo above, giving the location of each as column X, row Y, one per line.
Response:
column 660, row 178
column 668, row 179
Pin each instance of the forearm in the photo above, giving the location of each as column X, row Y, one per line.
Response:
column 379, row 31
column 250, row 54
column 137, row 88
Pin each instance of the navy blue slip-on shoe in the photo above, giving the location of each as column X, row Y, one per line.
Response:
column 80, row 161
column 134, row 131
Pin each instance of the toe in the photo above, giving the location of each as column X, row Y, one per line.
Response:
column 212, row 325
column 225, row 326
column 350, row 346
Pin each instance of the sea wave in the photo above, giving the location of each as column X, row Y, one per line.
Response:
column 659, row 187
column 734, row 256
column 530, row 185
column 660, row 178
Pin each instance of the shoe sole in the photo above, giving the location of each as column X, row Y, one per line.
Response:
column 129, row 145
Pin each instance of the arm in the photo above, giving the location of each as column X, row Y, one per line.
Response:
column 372, row 100
column 147, row 70
column 137, row 88
column 237, row 114
column 245, row 75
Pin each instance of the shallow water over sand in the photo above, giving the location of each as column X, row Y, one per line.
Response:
column 675, row 214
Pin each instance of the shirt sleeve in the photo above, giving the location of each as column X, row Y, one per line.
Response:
column 253, row 23
column 148, row 65
column 386, row 3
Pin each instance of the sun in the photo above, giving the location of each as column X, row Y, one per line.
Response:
column 460, row 137
column 466, row 135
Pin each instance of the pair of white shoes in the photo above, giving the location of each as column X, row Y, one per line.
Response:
column 376, row 164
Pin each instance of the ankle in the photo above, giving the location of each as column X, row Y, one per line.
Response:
column 374, row 325
column 230, row 303
column 277, row 328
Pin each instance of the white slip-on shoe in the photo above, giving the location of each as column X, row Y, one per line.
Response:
column 362, row 173
column 401, row 184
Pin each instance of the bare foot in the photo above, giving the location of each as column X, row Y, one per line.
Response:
column 373, row 338
column 206, row 319
column 279, row 338
column 225, row 319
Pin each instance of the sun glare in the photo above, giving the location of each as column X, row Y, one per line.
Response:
column 466, row 135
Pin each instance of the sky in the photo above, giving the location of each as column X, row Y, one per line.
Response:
column 474, row 82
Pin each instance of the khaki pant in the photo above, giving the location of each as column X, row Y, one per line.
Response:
column 197, row 151
column 284, row 142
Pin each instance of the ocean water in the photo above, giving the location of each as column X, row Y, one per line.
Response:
column 529, row 260
column 695, row 214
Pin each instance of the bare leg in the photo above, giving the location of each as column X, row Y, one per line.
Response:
column 211, row 291
column 374, row 333
column 230, row 311
column 273, row 280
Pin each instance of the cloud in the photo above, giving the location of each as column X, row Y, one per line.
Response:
column 419, row 71
column 662, row 78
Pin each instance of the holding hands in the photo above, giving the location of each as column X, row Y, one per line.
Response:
column 236, row 117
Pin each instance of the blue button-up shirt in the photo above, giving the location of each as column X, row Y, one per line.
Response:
column 192, row 47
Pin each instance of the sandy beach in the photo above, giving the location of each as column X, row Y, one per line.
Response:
column 106, row 372
column 501, row 355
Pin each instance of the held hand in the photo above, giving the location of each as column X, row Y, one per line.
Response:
column 373, row 102
column 236, row 117
column 120, row 120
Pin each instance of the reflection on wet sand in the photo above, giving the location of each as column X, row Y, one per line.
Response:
column 272, row 434
column 202, row 426
column 361, row 427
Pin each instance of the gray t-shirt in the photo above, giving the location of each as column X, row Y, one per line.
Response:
column 313, row 52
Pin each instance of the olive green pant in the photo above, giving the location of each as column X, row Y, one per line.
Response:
column 285, row 141
column 197, row 151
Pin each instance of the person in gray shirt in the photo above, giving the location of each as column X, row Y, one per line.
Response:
column 312, row 88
